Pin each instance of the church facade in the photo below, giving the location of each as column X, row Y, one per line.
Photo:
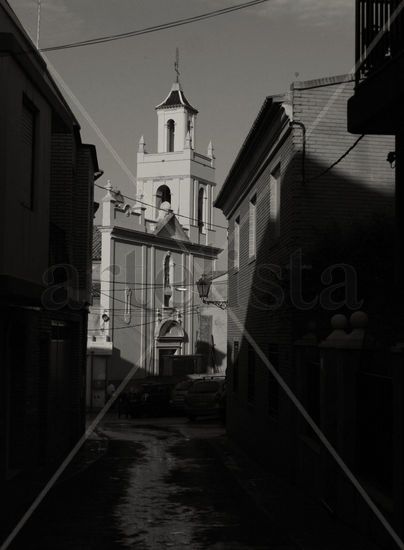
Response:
column 153, row 250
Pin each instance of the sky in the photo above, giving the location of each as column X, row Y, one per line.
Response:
column 228, row 66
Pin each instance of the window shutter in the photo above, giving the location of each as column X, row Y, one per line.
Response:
column 275, row 200
column 236, row 243
column 27, row 154
column 252, row 226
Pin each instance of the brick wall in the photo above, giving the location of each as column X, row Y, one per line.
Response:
column 360, row 185
column 42, row 393
column 43, row 412
column 62, row 189
column 83, row 208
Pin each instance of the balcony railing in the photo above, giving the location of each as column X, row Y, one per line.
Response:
column 379, row 34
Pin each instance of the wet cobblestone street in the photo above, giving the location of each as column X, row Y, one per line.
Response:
column 159, row 485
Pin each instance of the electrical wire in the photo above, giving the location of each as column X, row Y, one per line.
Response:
column 337, row 161
column 138, row 307
column 136, row 311
column 155, row 28
column 143, row 286
column 158, row 208
column 129, row 326
column 187, row 313
column 184, row 309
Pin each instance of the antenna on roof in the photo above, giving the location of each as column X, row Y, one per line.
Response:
column 177, row 64
column 38, row 25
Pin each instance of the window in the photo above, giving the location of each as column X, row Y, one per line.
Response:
column 163, row 195
column 236, row 243
column 235, row 365
column 167, row 281
column 60, row 331
column 251, row 375
column 128, row 306
column 27, row 157
column 96, row 293
column 273, row 386
column 275, row 196
column 170, row 135
column 201, row 198
column 201, row 206
column 252, row 226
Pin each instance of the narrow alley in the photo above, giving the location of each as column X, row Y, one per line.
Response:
column 160, row 485
column 170, row 483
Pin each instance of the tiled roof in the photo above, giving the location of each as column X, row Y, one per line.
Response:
column 176, row 98
column 96, row 243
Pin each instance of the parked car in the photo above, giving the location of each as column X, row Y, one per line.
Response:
column 206, row 397
column 180, row 390
column 178, row 395
column 155, row 399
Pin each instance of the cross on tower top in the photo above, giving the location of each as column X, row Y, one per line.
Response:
column 177, row 64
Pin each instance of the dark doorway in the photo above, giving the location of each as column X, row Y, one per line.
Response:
column 163, row 353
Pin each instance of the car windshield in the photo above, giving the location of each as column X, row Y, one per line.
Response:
column 206, row 387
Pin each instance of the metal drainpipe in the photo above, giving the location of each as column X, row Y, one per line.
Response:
column 303, row 127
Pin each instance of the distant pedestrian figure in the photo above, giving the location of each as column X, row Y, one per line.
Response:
column 110, row 390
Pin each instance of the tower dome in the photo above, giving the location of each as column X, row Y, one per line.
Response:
column 176, row 98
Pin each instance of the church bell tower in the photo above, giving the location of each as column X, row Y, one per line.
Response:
column 176, row 177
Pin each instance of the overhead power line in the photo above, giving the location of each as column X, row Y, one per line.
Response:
column 155, row 28
column 135, row 310
column 317, row 176
column 194, row 312
column 162, row 209
column 129, row 326
column 182, row 307
column 143, row 286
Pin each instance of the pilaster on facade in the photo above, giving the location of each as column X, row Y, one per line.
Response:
column 106, row 283
column 149, row 246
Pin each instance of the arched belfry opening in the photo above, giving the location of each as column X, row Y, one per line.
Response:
column 163, row 194
column 170, row 135
column 174, row 125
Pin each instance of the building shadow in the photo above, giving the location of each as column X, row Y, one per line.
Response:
column 296, row 279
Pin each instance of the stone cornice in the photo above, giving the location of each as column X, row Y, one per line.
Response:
column 145, row 179
column 138, row 237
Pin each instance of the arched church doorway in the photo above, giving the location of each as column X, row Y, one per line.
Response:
column 169, row 341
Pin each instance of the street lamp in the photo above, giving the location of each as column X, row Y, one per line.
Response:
column 203, row 285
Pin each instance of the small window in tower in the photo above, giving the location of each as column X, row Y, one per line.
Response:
column 163, row 195
column 201, row 197
column 189, row 126
column 170, row 135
